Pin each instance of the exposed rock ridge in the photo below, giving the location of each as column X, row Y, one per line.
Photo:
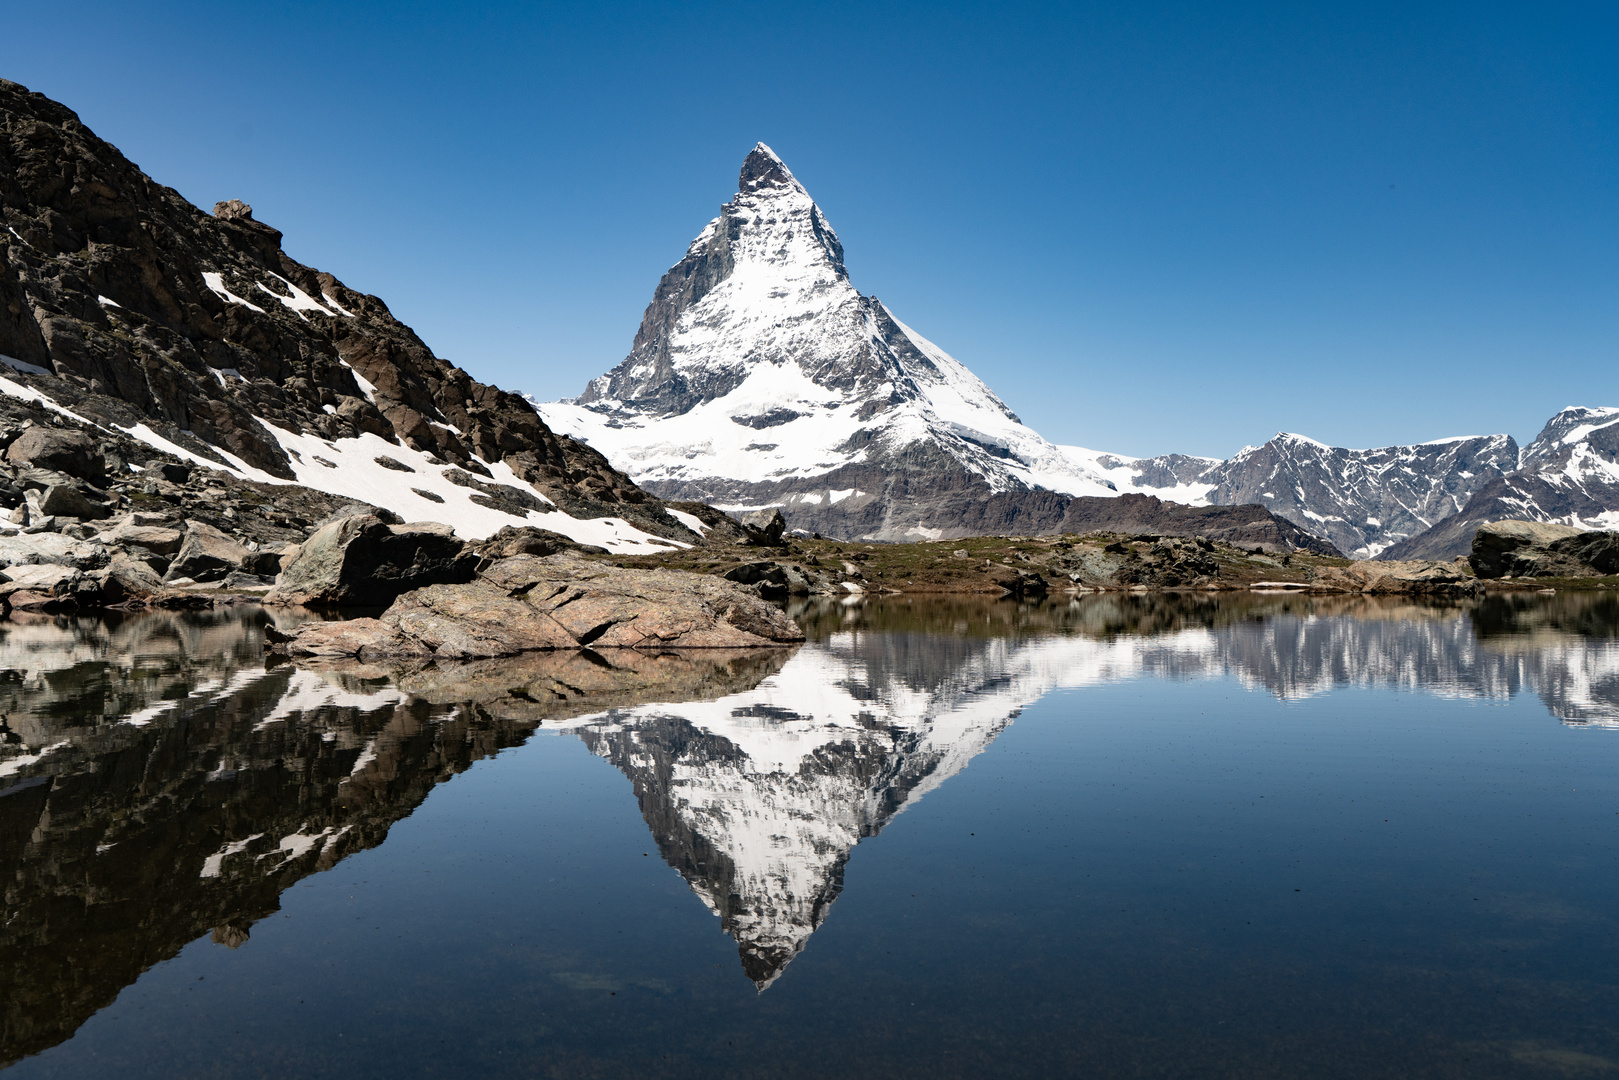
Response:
column 145, row 314
column 1568, row 476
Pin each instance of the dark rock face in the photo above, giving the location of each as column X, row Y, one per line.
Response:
column 1535, row 549
column 123, row 301
column 363, row 561
column 65, row 451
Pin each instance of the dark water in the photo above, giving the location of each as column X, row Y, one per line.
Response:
column 1128, row 836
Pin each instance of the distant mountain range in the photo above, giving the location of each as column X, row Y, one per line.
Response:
column 761, row 377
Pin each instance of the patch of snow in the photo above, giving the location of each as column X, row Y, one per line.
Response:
column 691, row 521
column 335, row 306
column 213, row 864
column 307, row 691
column 216, row 283
column 297, row 301
column 17, row 764
column 19, row 366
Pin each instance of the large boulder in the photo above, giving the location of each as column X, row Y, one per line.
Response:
column 66, row 500
column 49, row 547
column 206, row 555
column 59, row 450
column 526, row 603
column 774, row 580
column 362, row 561
column 40, row 586
column 157, row 539
column 1414, row 577
column 764, row 528
column 127, row 580
column 1536, row 549
column 512, row 540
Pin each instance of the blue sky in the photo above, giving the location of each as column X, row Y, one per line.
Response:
column 1149, row 227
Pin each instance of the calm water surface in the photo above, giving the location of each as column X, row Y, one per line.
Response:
column 1125, row 836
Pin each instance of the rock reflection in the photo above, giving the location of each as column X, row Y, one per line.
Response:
column 159, row 783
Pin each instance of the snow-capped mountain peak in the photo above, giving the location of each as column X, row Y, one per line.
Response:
column 761, row 376
column 1573, row 425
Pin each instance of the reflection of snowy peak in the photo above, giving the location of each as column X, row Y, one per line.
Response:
column 758, row 798
column 761, row 376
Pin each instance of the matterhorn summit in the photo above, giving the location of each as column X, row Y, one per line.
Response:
column 761, row 377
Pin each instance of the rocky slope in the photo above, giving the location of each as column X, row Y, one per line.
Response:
column 1568, row 476
column 1364, row 501
column 135, row 314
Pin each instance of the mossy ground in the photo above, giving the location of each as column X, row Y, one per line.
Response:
column 981, row 564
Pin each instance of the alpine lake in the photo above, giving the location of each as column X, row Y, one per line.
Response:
column 1123, row 835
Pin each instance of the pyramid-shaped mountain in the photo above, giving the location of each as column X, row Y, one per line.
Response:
column 761, row 377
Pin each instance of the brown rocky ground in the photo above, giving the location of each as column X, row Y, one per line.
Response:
column 1023, row 565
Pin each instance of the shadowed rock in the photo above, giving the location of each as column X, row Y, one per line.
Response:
column 1537, row 549
column 362, row 560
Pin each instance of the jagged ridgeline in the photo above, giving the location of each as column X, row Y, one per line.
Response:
column 196, row 334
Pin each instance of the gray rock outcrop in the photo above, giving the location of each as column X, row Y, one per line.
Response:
column 362, row 561
column 205, row 555
column 1536, row 549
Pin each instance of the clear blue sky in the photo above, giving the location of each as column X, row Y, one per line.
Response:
column 1149, row 227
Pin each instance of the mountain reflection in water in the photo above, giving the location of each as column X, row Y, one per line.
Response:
column 158, row 782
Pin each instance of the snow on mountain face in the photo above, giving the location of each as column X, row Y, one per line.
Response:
column 1569, row 476
column 760, row 376
column 1364, row 501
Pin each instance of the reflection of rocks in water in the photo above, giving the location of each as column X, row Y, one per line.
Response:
column 1562, row 647
column 166, row 785
column 556, row 685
